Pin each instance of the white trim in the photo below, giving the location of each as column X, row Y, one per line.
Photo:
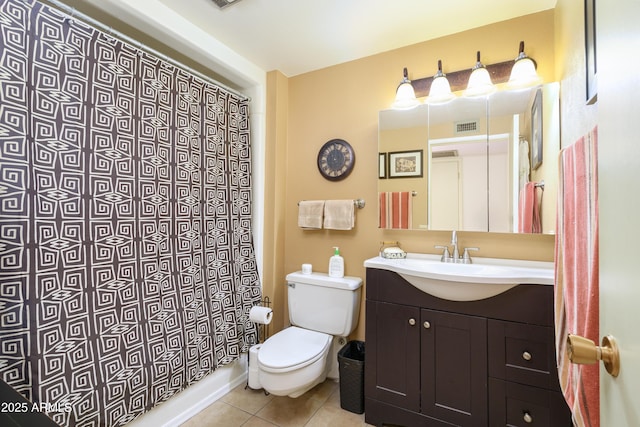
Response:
column 196, row 398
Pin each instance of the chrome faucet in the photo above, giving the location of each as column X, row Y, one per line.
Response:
column 454, row 241
column 454, row 255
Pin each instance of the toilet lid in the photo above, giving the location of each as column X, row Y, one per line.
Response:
column 292, row 346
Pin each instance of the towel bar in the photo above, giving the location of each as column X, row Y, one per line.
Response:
column 540, row 184
column 359, row 203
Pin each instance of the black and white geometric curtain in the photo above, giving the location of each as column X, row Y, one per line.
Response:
column 127, row 268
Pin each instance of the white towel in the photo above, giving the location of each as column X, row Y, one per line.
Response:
column 339, row 214
column 310, row 214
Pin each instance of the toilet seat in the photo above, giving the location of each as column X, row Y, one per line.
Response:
column 292, row 348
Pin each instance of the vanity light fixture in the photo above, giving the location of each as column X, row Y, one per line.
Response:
column 405, row 95
column 479, row 81
column 523, row 73
column 496, row 77
column 440, row 91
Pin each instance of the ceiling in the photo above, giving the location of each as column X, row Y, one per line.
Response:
column 298, row 36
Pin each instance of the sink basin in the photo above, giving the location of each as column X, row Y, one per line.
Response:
column 485, row 278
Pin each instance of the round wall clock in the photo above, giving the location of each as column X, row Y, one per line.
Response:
column 336, row 159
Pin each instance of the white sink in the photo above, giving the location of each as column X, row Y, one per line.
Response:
column 485, row 278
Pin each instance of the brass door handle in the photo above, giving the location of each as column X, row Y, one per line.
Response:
column 583, row 351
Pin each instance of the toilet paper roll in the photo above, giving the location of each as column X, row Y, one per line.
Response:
column 261, row 315
column 254, row 373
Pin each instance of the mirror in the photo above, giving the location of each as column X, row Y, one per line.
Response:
column 463, row 164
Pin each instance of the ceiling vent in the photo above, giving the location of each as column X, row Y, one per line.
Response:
column 224, row 3
column 468, row 126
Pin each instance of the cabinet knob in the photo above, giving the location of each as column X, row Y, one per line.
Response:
column 526, row 356
column 412, row 321
column 527, row 418
column 426, row 325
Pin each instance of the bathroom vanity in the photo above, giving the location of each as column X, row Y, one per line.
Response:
column 441, row 362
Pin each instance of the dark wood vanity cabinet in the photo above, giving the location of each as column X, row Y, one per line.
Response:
column 434, row 362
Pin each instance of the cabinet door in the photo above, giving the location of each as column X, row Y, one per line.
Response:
column 393, row 354
column 454, row 367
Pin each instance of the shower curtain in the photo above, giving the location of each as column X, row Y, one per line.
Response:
column 127, row 269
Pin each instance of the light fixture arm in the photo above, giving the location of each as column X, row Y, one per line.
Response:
column 405, row 77
column 522, row 55
column 478, row 62
column 521, row 50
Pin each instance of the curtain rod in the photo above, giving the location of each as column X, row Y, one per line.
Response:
column 74, row 13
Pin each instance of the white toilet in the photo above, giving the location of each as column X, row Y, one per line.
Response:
column 321, row 309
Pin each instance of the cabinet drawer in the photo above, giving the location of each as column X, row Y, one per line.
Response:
column 514, row 404
column 523, row 353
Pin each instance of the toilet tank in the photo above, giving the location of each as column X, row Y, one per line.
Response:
column 324, row 304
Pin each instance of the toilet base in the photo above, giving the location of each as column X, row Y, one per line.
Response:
column 332, row 361
column 296, row 383
column 306, row 388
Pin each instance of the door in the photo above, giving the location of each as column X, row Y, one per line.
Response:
column 444, row 201
column 618, row 34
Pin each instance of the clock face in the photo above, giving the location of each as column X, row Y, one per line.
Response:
column 336, row 159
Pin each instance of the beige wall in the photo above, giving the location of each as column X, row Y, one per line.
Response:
column 274, row 193
column 343, row 102
column 576, row 117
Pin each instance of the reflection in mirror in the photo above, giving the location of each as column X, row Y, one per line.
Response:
column 403, row 131
column 457, row 184
column 479, row 153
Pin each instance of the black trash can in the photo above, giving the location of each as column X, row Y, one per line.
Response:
column 351, row 369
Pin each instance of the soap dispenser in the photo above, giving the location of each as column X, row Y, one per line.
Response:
column 336, row 264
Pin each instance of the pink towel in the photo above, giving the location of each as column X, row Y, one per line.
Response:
column 395, row 210
column 529, row 210
column 576, row 275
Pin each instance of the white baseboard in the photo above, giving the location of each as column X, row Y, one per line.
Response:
column 194, row 399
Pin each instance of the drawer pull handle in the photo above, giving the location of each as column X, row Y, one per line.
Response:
column 426, row 325
column 412, row 321
column 527, row 418
column 526, row 356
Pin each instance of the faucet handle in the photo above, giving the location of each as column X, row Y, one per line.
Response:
column 466, row 259
column 445, row 253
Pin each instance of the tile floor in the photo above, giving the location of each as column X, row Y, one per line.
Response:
column 319, row 407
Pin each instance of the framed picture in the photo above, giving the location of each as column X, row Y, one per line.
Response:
column 405, row 164
column 536, row 131
column 382, row 165
column 590, row 50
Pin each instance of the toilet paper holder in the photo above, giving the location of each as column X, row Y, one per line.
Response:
column 263, row 329
column 253, row 381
